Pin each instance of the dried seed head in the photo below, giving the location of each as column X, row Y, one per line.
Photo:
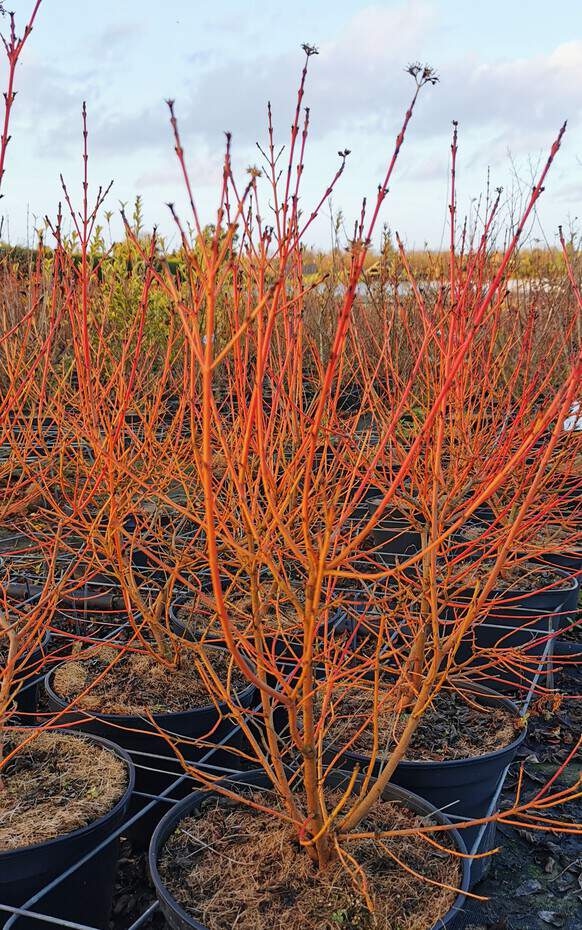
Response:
column 310, row 49
column 422, row 74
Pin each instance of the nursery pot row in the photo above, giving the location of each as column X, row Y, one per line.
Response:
column 463, row 788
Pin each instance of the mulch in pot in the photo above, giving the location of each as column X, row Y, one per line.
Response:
column 200, row 618
column 55, row 784
column 520, row 576
column 451, row 728
column 233, row 867
column 138, row 683
column 562, row 537
column 528, row 576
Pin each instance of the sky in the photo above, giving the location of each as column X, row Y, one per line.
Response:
column 510, row 73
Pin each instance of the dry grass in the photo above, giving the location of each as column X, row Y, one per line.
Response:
column 234, row 867
column 137, row 683
column 54, row 785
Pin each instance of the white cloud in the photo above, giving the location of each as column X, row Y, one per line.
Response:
column 355, row 87
column 535, row 93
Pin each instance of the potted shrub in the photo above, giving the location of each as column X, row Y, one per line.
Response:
column 279, row 506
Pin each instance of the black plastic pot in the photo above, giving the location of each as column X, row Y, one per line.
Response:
column 394, row 532
column 396, row 537
column 526, row 631
column 178, row 919
column 563, row 600
column 357, row 630
column 570, row 561
column 362, row 508
column 350, row 399
column 32, row 671
column 571, row 487
column 179, row 626
column 140, row 558
column 145, row 558
column 284, row 648
column 463, row 788
column 86, row 895
column 484, row 512
column 157, row 766
column 564, row 647
column 471, row 550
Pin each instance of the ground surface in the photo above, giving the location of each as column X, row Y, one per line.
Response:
column 535, row 882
